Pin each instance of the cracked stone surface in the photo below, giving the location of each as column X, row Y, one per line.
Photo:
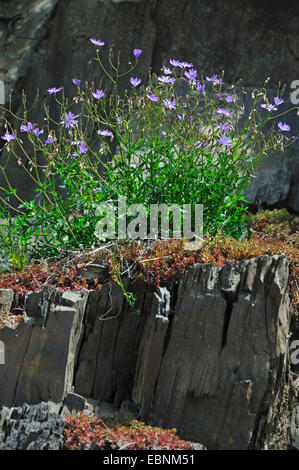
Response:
column 31, row 427
column 226, row 353
column 208, row 356
column 44, row 43
column 40, row 352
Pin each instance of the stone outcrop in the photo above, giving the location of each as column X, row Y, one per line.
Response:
column 41, row 426
column 40, row 352
column 228, row 356
column 208, row 355
column 31, row 427
column 45, row 44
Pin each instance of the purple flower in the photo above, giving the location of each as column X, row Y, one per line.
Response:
column 37, row 132
column 224, row 111
column 269, row 107
column 218, row 96
column 8, row 137
column 182, row 117
column 26, row 127
column 214, row 79
column 175, row 63
column 226, row 127
column 152, row 97
column 82, row 148
column 200, row 87
column 98, row 94
column 191, row 75
column 135, row 81
column 166, row 161
column 283, row 126
column 186, row 65
column 76, row 81
column 119, row 119
column 169, row 104
column 166, row 70
column 51, row 91
column 133, row 165
column 224, row 140
column 137, row 52
column 166, row 79
column 278, row 100
column 229, row 99
column 69, row 120
column 105, row 133
column 50, row 140
column 182, row 65
column 97, row 42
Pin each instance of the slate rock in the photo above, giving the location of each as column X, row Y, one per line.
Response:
column 32, row 427
column 40, row 354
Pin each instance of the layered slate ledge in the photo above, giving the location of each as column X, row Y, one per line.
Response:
column 208, row 355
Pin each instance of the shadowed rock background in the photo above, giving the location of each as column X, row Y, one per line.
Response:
column 44, row 43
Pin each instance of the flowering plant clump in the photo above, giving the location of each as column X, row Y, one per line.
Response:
column 179, row 138
column 81, row 431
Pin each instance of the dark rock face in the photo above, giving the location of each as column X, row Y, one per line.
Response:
column 247, row 39
column 40, row 353
column 228, row 356
column 45, row 44
column 34, row 427
column 208, row 356
column 111, row 342
column 275, row 181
